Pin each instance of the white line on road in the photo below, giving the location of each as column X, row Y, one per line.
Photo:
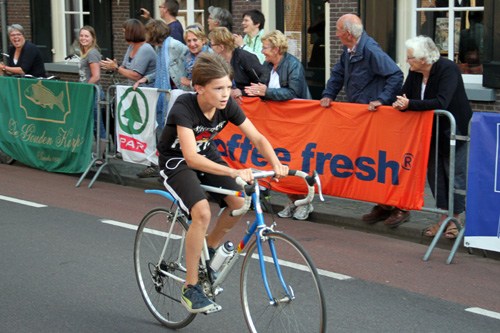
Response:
column 282, row 262
column 22, row 202
column 484, row 312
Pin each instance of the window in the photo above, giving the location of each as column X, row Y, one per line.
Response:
column 456, row 26
column 67, row 17
column 191, row 11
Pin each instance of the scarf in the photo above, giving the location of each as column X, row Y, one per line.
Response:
column 162, row 80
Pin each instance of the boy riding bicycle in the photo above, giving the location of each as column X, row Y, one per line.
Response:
column 188, row 157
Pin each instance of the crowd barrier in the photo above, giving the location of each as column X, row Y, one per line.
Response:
column 379, row 157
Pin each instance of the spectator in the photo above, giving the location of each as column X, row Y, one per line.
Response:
column 246, row 66
column 24, row 57
column 219, row 17
column 253, row 27
column 196, row 41
column 168, row 12
column 90, row 72
column 433, row 83
column 140, row 58
column 188, row 156
column 369, row 76
column 169, row 64
column 139, row 61
column 283, row 79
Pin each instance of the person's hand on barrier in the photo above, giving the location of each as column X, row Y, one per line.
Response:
column 325, row 102
column 237, row 95
column 401, row 103
column 373, row 105
column 109, row 64
column 185, row 81
column 256, row 89
column 146, row 14
column 139, row 82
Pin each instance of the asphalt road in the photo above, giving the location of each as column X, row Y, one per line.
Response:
column 66, row 268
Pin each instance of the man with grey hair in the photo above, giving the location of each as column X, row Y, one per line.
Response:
column 369, row 76
column 219, row 17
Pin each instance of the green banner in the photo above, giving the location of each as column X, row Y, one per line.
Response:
column 47, row 124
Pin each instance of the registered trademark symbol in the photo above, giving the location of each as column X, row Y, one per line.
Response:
column 407, row 160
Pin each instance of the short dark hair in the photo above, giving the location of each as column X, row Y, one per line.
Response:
column 256, row 16
column 172, row 6
column 210, row 66
column 134, row 31
column 156, row 32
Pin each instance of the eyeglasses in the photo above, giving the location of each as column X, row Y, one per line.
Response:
column 161, row 7
column 193, row 27
column 212, row 45
column 410, row 58
column 269, row 47
column 16, row 35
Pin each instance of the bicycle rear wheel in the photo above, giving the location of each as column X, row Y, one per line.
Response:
column 159, row 249
column 304, row 311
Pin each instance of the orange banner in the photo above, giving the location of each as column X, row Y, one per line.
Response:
column 379, row 157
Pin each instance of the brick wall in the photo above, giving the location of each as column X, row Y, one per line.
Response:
column 18, row 12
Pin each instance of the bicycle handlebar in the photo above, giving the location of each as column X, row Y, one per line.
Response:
column 249, row 189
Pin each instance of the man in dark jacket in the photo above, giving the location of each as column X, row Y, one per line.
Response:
column 369, row 76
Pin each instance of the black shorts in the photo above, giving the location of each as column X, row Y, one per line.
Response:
column 184, row 182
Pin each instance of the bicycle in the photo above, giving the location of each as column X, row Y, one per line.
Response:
column 283, row 300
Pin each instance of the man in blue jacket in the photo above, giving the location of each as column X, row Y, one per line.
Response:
column 369, row 76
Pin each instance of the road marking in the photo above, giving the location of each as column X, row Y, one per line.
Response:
column 323, row 272
column 22, row 202
column 484, row 312
column 305, row 268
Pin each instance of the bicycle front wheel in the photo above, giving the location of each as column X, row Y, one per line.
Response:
column 160, row 266
column 298, row 308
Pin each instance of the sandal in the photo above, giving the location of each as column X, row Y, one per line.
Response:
column 451, row 231
column 432, row 230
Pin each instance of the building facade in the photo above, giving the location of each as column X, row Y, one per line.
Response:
column 309, row 25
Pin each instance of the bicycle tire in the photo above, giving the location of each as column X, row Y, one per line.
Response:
column 306, row 312
column 161, row 293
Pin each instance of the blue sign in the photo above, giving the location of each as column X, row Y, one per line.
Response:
column 482, row 229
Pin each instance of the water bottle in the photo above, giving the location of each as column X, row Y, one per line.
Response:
column 222, row 256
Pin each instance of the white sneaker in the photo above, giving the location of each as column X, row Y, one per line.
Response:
column 288, row 211
column 302, row 212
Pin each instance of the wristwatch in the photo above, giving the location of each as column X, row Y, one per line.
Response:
column 117, row 68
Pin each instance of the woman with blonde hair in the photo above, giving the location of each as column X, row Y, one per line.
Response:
column 283, row 79
column 90, row 71
column 246, row 66
column 196, row 41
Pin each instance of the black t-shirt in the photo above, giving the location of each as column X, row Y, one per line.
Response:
column 187, row 113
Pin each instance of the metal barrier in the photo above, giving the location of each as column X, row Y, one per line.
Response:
column 451, row 186
column 97, row 160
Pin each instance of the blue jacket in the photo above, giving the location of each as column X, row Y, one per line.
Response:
column 292, row 80
column 368, row 75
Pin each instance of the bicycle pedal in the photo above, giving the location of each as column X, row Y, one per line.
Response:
column 214, row 310
column 218, row 290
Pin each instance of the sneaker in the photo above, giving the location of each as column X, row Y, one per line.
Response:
column 288, row 211
column 150, row 171
column 302, row 212
column 195, row 301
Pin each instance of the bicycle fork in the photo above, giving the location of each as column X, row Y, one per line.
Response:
column 288, row 290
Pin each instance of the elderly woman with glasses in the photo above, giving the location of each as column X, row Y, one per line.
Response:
column 196, row 41
column 283, row 79
column 24, row 56
column 246, row 66
column 433, row 83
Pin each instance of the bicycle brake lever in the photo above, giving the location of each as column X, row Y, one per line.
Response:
column 318, row 182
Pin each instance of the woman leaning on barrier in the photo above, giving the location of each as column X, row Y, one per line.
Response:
column 24, row 57
column 434, row 83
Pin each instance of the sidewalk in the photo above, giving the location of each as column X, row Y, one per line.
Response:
column 340, row 212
